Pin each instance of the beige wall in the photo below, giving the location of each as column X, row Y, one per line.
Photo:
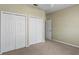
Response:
column 65, row 25
column 23, row 9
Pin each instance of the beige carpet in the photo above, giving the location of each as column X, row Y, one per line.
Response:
column 47, row 48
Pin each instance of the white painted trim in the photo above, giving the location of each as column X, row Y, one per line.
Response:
column 26, row 45
column 19, row 14
column 14, row 13
column 66, row 43
column 27, row 32
column 30, row 16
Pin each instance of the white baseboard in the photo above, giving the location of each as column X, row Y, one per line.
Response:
column 66, row 43
column 27, row 46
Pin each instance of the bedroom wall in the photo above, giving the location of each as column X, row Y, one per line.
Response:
column 23, row 9
column 65, row 25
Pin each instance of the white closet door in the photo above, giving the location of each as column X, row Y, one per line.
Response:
column 7, row 32
column 12, row 32
column 20, row 31
column 36, row 30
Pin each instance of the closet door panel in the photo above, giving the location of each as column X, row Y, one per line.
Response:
column 20, row 31
column 36, row 30
column 13, row 28
column 3, row 48
column 8, row 33
column 32, row 31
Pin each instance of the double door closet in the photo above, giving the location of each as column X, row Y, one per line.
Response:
column 18, row 31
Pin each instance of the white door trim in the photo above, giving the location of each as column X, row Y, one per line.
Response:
column 14, row 13
column 43, row 27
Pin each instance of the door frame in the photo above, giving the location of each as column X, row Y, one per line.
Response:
column 46, row 28
column 26, row 24
column 43, row 27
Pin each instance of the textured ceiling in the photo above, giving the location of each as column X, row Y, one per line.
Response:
column 51, row 7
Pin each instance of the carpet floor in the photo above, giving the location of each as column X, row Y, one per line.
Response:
column 47, row 48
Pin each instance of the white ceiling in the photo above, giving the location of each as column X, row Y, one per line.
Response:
column 52, row 7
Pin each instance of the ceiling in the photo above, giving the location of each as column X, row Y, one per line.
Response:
column 52, row 7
